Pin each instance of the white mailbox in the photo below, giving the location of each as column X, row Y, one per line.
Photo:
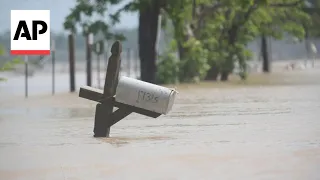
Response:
column 145, row 95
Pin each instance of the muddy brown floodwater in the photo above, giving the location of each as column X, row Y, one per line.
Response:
column 260, row 132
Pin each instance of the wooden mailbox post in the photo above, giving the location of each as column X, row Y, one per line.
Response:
column 105, row 117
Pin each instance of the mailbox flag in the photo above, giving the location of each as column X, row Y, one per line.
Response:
column 30, row 32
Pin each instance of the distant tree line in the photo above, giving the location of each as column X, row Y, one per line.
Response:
column 206, row 37
column 61, row 39
column 210, row 36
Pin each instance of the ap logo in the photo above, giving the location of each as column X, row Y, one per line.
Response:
column 30, row 32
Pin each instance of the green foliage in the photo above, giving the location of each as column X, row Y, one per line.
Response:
column 192, row 68
column 276, row 21
column 168, row 66
column 243, row 56
column 10, row 64
column 81, row 15
column 167, row 69
column 225, row 27
column 211, row 34
column 7, row 66
column 195, row 64
column 2, row 50
column 313, row 26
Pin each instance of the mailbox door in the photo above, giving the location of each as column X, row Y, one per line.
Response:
column 171, row 100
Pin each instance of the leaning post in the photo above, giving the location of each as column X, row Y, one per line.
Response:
column 104, row 109
column 71, row 62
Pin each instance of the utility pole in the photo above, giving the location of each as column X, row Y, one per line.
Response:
column 72, row 63
column 53, row 65
column 129, row 62
column 89, row 43
column 26, row 75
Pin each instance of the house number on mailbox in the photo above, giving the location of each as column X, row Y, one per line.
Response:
column 147, row 97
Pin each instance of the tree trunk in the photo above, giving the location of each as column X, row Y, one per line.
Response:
column 181, row 50
column 212, row 74
column 265, row 54
column 307, row 46
column 148, row 28
column 224, row 76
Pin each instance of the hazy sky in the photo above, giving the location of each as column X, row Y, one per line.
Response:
column 59, row 10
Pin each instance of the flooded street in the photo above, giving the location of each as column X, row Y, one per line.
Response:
column 243, row 132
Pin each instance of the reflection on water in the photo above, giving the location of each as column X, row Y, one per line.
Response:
column 240, row 133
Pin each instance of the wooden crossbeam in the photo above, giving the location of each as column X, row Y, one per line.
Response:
column 96, row 95
column 119, row 114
